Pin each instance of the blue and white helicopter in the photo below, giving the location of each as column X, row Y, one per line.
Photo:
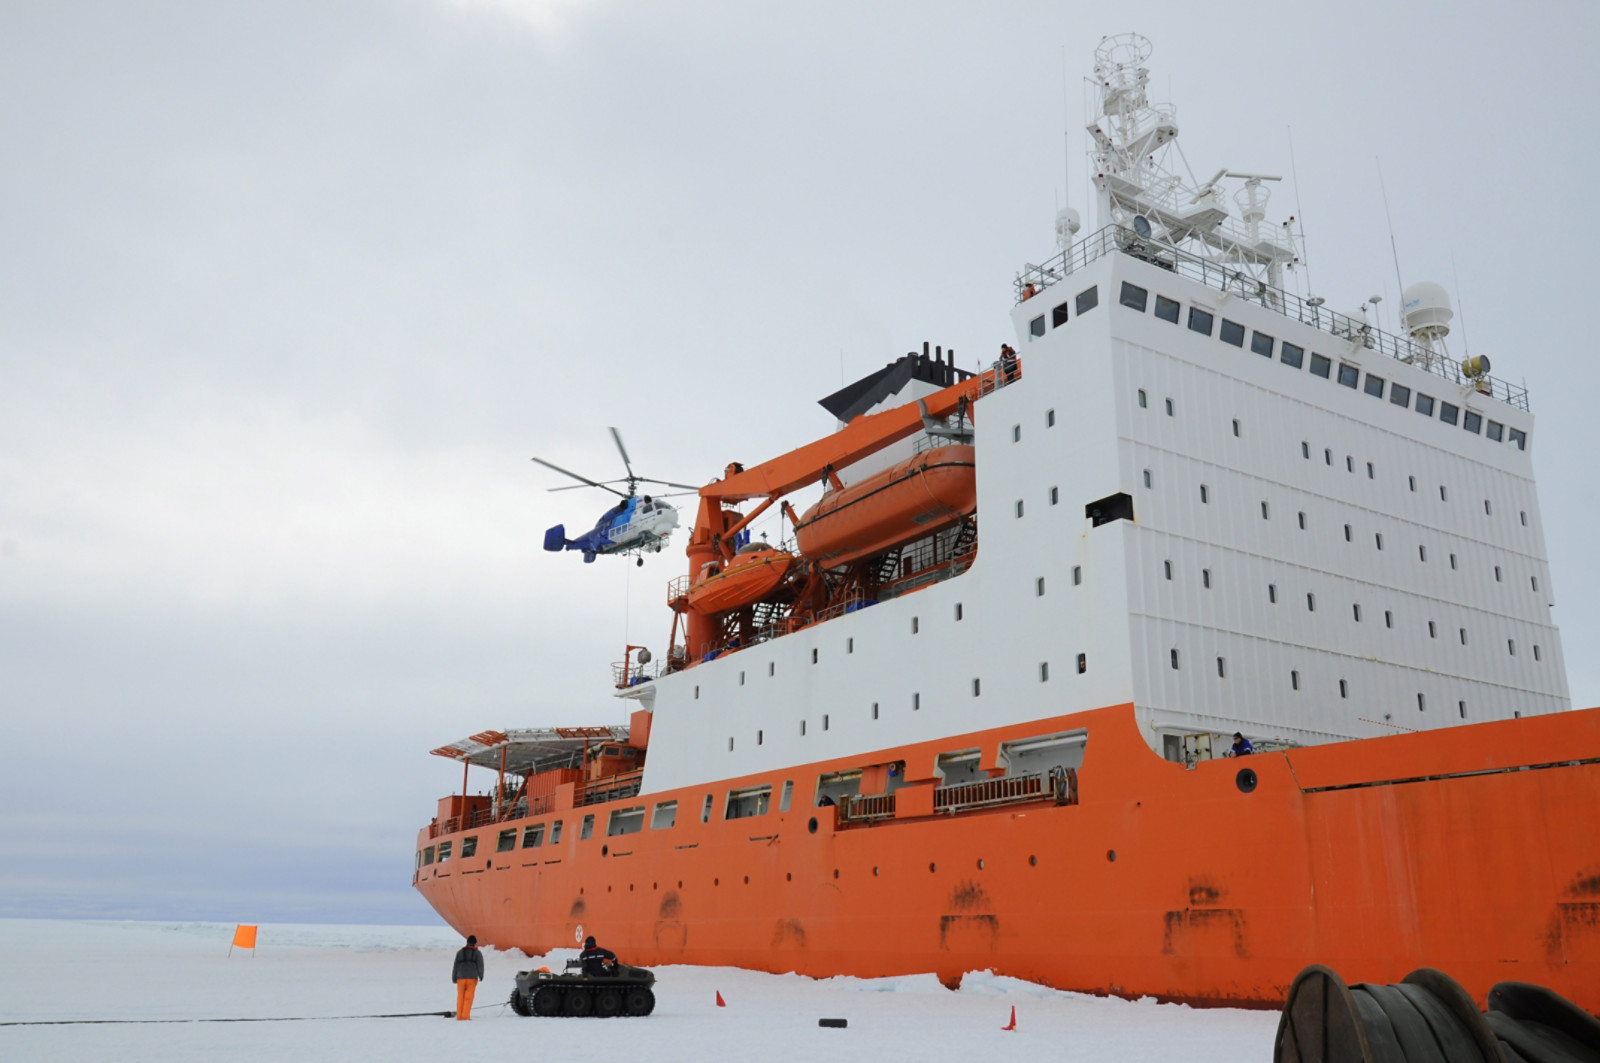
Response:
column 633, row 525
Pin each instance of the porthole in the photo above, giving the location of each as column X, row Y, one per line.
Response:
column 1033, row 861
column 1111, row 855
column 1246, row 780
column 811, row 827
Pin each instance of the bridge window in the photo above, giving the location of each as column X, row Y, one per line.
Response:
column 1231, row 332
column 1036, row 326
column 1449, row 413
column 1472, row 422
column 1496, row 431
column 1425, row 404
column 469, row 846
column 533, row 837
column 1134, row 297
column 506, row 841
column 1348, row 374
column 1261, row 343
column 1167, row 309
column 1058, row 316
column 1087, row 300
column 1201, row 321
column 1374, row 386
column 1321, row 366
column 1399, row 394
column 1291, row 355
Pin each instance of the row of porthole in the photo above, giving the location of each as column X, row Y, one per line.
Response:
column 933, row 868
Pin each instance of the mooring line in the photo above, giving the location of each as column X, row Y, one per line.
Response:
column 275, row 1018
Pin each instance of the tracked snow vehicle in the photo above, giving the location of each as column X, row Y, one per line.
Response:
column 621, row 990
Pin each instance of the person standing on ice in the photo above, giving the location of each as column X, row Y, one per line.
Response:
column 467, row 973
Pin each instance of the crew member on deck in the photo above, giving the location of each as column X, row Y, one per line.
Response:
column 467, row 973
column 1008, row 362
column 1241, row 746
column 595, row 958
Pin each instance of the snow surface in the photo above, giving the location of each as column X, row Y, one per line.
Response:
column 134, row 970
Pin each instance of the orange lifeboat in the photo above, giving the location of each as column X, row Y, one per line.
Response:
column 752, row 573
column 925, row 493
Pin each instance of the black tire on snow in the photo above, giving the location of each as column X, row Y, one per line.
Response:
column 607, row 1003
column 547, row 1001
column 639, row 1002
column 577, row 1003
column 519, row 1004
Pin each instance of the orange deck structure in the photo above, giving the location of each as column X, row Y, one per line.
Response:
column 1474, row 849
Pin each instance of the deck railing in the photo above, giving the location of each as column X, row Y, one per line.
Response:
column 1237, row 280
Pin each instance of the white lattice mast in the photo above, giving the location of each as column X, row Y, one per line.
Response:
column 1131, row 138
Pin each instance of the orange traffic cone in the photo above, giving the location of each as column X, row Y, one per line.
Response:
column 1013, row 1024
column 720, row 1002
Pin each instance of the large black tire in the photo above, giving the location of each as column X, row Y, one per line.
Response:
column 547, row 1001
column 577, row 1003
column 519, row 1003
column 639, row 1002
column 607, row 1003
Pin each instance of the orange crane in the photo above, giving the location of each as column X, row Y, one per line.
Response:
column 716, row 525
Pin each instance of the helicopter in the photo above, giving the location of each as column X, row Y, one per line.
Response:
column 634, row 524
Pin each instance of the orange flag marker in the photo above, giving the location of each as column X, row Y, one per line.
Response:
column 244, row 937
column 720, row 1002
column 1013, row 1024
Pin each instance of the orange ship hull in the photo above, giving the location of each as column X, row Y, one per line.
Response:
column 923, row 494
column 745, row 579
column 1473, row 849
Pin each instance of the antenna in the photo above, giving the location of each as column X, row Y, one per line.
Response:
column 1392, row 248
column 1305, row 257
column 1461, row 305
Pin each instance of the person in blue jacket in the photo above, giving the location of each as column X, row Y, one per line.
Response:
column 1241, row 746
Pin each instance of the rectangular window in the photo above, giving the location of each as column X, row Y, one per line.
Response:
column 1511, row 647
column 751, row 801
column 1044, row 671
column 1272, row 593
column 874, row 710
column 1055, row 495
column 555, row 833
column 427, row 855
column 1472, row 422
column 1461, row 707
column 1378, row 538
column 1321, row 366
column 1311, row 602
column 1519, row 439
column 1496, row 431
column 1344, row 689
column 1400, row 395
column 1049, row 418
column 705, row 810
column 1200, row 321
column 802, row 728
column 1371, row 473
column 788, row 793
column 1231, row 332
column 916, row 702
column 1134, row 297
column 824, row 721
column 1374, row 386
column 916, row 624
column 1174, row 659
column 1261, row 343
column 1087, row 300
column 533, row 837
column 1144, row 400
column 814, row 652
column 1425, row 404
column 1205, row 494
column 1077, row 575
column 1302, row 518
column 1205, row 578
column 1349, row 375
column 1264, row 511
column 1422, row 552
column 1292, row 356
column 444, row 852
column 976, row 689
column 1236, row 427
column 1452, row 562
column 1413, row 481
column 469, row 846
column 1036, row 327
column 1294, row 680
column 1222, row 668
column 959, row 612
column 1167, row 309
column 625, row 821
column 1349, row 463
column 1448, row 413
column 665, row 815
column 1019, row 507
column 1535, row 581
column 1058, row 316
column 1167, row 566
column 586, row 829
column 506, row 841
column 1083, row 663
column 1356, row 611
column 1038, row 587
column 1347, row 533
column 1147, row 478
column 1433, row 630
column 1169, row 407
column 1422, row 703
column 1463, row 636
column 1016, row 433
column 1388, row 619
column 1536, row 652
column 1305, row 450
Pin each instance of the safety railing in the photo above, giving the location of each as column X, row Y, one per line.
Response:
column 610, row 788
column 483, row 817
column 1237, row 280
column 1061, row 785
column 855, row 808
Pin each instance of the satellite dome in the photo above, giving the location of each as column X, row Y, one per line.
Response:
column 1425, row 306
column 1067, row 226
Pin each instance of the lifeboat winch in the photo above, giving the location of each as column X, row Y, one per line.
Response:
column 927, row 492
column 751, row 574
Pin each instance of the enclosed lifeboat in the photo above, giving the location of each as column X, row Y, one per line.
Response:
column 925, row 493
column 751, row 574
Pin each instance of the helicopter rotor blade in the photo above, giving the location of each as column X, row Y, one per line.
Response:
column 617, row 436
column 667, row 483
column 575, row 476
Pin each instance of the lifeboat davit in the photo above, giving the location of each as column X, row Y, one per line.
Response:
column 927, row 492
column 754, row 572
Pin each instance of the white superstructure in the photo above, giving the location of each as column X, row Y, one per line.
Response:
column 1204, row 496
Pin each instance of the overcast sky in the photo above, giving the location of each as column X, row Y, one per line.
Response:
column 291, row 292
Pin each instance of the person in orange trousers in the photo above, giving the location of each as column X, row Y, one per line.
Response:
column 467, row 973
